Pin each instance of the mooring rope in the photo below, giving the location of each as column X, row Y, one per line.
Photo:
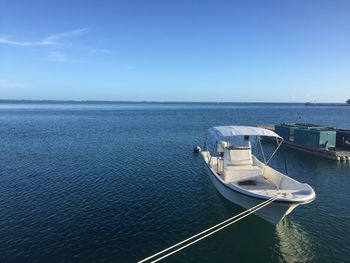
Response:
column 221, row 226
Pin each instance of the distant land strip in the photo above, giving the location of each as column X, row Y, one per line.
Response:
column 326, row 104
column 126, row 102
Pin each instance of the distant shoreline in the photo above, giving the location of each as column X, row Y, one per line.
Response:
column 326, row 104
column 137, row 102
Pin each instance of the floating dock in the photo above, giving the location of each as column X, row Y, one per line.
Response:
column 328, row 142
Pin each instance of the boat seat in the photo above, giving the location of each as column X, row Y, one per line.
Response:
column 239, row 173
column 238, row 156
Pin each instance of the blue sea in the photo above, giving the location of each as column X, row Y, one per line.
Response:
column 117, row 182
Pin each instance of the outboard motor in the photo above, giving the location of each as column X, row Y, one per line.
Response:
column 220, row 147
column 197, row 149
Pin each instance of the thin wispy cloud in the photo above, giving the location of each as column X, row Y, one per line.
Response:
column 8, row 41
column 9, row 84
column 98, row 51
column 56, row 41
column 53, row 39
column 57, row 56
column 47, row 41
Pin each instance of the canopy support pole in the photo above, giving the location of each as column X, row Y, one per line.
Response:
column 278, row 146
column 262, row 150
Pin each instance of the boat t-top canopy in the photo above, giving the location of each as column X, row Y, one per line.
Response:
column 230, row 131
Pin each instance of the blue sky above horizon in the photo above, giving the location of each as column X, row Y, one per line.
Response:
column 258, row 51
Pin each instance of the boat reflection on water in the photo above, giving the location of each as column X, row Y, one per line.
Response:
column 293, row 243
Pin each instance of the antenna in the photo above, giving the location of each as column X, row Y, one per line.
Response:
column 285, row 164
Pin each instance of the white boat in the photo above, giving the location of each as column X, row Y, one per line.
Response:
column 244, row 180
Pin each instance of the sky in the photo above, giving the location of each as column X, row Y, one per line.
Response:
column 183, row 50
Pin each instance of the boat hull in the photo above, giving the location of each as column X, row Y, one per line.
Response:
column 273, row 213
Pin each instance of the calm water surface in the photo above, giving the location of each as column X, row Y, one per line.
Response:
column 119, row 182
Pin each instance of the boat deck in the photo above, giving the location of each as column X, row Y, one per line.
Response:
column 263, row 187
column 267, row 188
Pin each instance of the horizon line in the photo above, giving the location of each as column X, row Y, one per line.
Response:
column 158, row 101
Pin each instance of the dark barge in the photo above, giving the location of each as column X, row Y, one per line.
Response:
column 329, row 142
